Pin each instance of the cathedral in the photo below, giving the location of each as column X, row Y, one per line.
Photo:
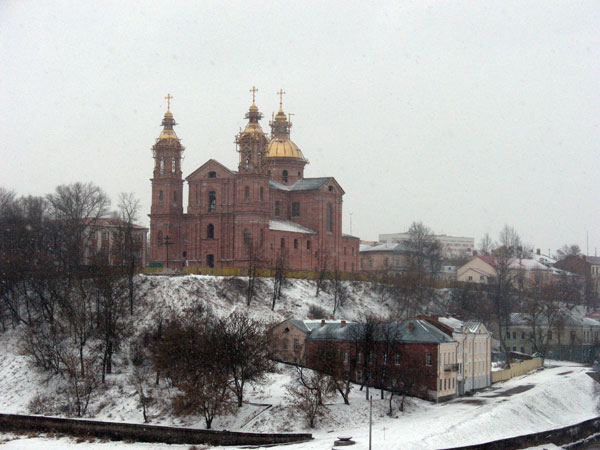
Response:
column 266, row 213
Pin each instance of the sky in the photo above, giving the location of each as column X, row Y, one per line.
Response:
column 465, row 115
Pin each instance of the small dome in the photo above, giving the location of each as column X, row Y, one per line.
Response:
column 253, row 108
column 169, row 114
column 284, row 148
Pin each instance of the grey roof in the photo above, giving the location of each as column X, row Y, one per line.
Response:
column 305, row 184
column 593, row 259
column 307, row 325
column 423, row 332
column 385, row 247
column 570, row 319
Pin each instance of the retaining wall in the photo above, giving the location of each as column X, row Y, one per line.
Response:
column 143, row 433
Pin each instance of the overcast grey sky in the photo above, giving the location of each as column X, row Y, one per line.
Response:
column 466, row 115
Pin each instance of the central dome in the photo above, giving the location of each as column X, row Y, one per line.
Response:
column 284, row 148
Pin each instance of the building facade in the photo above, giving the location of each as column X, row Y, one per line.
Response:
column 107, row 237
column 264, row 214
column 588, row 267
column 451, row 245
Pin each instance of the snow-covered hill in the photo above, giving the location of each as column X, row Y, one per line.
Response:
column 554, row 397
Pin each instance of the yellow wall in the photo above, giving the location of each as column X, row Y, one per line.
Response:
column 516, row 369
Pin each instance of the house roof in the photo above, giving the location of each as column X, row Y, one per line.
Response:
column 304, row 184
column 515, row 263
column 288, row 225
column 593, row 259
column 422, row 332
column 110, row 222
column 570, row 319
column 307, row 325
column 385, row 247
column 457, row 324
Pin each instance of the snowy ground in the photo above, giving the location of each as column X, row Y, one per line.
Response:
column 557, row 396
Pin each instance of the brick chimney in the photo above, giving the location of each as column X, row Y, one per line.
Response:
column 343, row 324
column 411, row 326
column 322, row 322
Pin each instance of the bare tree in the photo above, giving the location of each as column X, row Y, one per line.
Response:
column 254, row 259
column 307, row 391
column 568, row 250
column 322, row 270
column 486, row 245
column 425, row 250
column 128, row 246
column 338, row 365
column 279, row 276
column 340, row 293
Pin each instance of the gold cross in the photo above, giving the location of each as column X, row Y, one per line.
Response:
column 253, row 90
column 280, row 93
column 168, row 99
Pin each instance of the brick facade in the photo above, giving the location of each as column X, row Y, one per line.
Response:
column 264, row 210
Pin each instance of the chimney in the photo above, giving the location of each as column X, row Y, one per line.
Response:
column 538, row 251
column 343, row 324
column 322, row 322
column 411, row 326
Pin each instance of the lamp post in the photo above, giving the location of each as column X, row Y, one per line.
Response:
column 167, row 244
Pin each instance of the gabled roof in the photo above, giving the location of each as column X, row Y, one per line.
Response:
column 304, row 184
column 457, row 325
column 210, row 162
column 422, row 332
column 385, row 247
column 288, row 225
column 310, row 324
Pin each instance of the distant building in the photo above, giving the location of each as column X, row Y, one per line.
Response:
column 451, row 245
column 586, row 266
column 106, row 233
column 570, row 338
column 384, row 258
column 482, row 269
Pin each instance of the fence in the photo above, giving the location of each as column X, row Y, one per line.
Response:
column 516, row 369
column 143, row 433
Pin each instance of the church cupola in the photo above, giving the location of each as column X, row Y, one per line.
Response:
column 286, row 161
column 252, row 142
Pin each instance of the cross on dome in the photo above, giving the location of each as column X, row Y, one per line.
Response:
column 254, row 90
column 280, row 93
column 168, row 98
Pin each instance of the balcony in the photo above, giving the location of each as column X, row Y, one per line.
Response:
column 451, row 368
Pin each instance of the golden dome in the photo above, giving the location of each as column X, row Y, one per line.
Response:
column 169, row 114
column 167, row 134
column 253, row 107
column 284, row 148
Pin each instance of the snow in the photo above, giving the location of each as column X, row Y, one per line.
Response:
column 288, row 225
column 560, row 395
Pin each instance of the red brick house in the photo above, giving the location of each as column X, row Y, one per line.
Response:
column 260, row 213
column 412, row 355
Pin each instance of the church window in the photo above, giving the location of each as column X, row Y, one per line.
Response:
column 329, row 218
column 175, row 197
column 197, row 191
column 282, row 242
column 344, row 250
column 344, row 266
column 296, row 243
column 212, row 174
column 262, row 194
column 159, row 238
column 173, row 166
column 277, row 208
column 210, row 260
column 352, row 251
column 247, row 236
column 308, row 244
column 246, row 193
column 261, row 237
column 160, row 197
column 210, row 231
column 162, row 166
column 296, row 209
column 330, row 188
column 212, row 201
column 185, row 254
column 284, row 176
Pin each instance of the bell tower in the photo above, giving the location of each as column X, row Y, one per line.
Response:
column 252, row 142
column 166, row 213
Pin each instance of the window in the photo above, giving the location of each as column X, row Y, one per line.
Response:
column 329, row 218
column 370, row 358
column 159, row 239
column 522, row 335
column 210, row 260
column 296, row 243
column 262, row 193
column 359, row 357
column 330, row 188
column 247, row 236
column 470, row 278
column 296, row 209
column 184, row 254
column 284, row 344
column 299, row 174
column 522, row 349
column 385, row 359
column 284, row 176
column 210, row 231
column 428, row 359
column 261, row 237
column 247, row 193
column 345, row 356
column 508, row 335
column 161, row 197
column 352, row 251
column 174, row 196
column 358, row 375
column 162, row 166
column 296, row 345
column 308, row 245
column 105, row 236
column 480, row 277
column 344, row 250
column 397, row 359
column 212, row 201
column 514, row 335
column 212, row 174
column 282, row 243
column 277, row 208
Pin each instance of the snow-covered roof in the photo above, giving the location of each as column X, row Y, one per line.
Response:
column 288, row 225
column 304, row 184
column 385, row 247
column 422, row 332
column 544, row 259
column 569, row 318
column 309, row 324
column 457, row 324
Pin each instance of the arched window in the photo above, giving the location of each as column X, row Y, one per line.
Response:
column 262, row 194
column 210, row 260
column 173, row 166
column 161, row 197
column 162, row 166
column 210, row 231
column 285, row 176
column 262, row 236
column 159, row 239
column 308, row 245
column 212, row 201
column 247, row 193
column 247, row 236
column 174, row 196
column 329, row 217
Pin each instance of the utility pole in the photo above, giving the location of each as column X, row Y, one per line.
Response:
column 370, row 419
column 167, row 244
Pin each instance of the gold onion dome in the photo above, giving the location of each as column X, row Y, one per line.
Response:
column 284, row 148
column 168, row 123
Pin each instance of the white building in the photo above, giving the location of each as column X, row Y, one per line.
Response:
column 452, row 245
